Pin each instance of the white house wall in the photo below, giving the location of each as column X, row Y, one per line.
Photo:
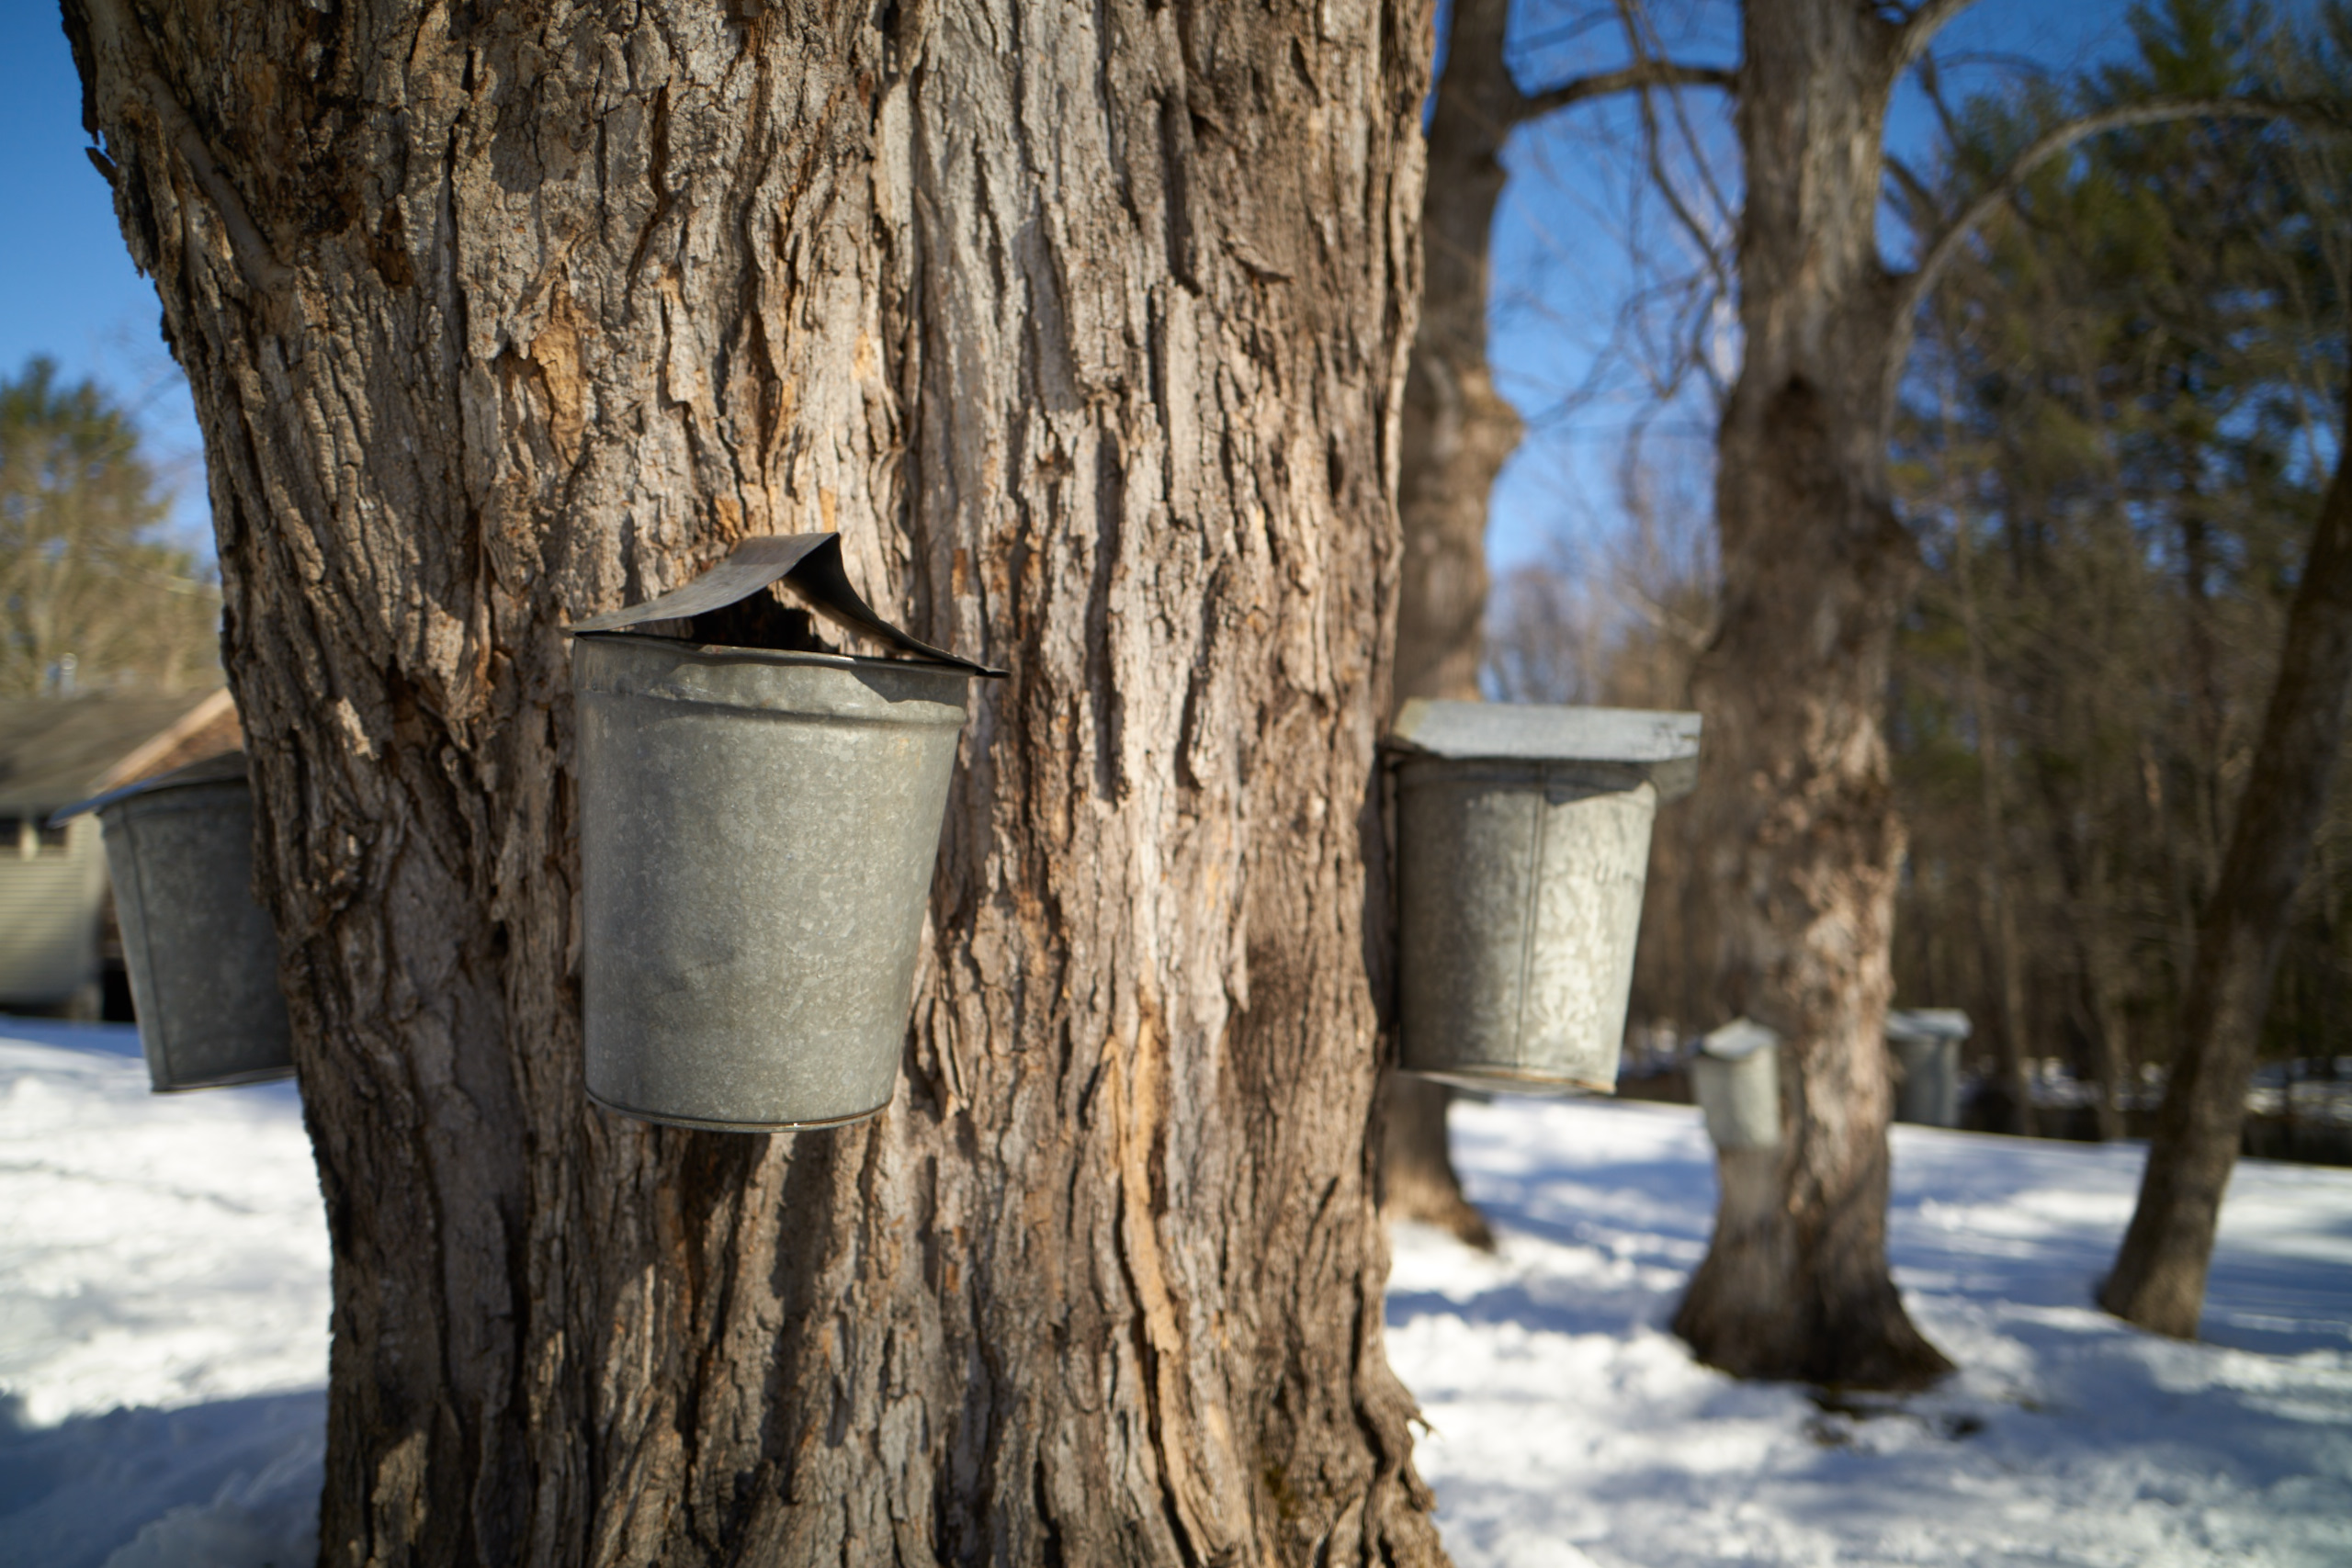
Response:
column 49, row 917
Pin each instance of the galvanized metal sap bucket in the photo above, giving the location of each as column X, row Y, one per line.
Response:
column 1736, row 1076
column 1522, row 844
column 1925, row 1042
column 202, row 954
column 758, row 829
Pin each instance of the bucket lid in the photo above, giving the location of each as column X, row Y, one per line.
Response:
column 1928, row 1023
column 1662, row 746
column 1738, row 1039
column 223, row 768
column 809, row 564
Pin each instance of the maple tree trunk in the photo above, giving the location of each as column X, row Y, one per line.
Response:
column 2158, row 1282
column 1088, row 329
column 1802, row 828
column 1457, row 433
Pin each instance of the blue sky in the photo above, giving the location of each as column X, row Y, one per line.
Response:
column 67, row 287
column 1560, row 247
column 68, row 290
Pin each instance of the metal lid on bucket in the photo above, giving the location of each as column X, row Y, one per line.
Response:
column 1662, row 748
column 807, row 564
column 226, row 767
column 1923, row 1024
column 1738, row 1039
column 1736, row 1073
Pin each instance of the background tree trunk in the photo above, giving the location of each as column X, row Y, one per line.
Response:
column 1458, row 432
column 1806, row 844
column 2012, row 1101
column 2158, row 1282
column 1088, row 329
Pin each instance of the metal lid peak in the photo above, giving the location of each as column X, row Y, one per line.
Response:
column 808, row 564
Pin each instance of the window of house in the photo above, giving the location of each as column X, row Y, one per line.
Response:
column 12, row 833
column 52, row 838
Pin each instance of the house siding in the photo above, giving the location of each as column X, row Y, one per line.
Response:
column 49, row 916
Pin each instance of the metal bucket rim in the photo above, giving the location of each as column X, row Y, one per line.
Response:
column 168, row 798
column 718, row 651
column 207, row 773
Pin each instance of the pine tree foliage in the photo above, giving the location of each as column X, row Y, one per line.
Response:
column 2123, row 416
column 89, row 596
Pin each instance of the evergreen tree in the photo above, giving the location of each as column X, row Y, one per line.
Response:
column 89, row 597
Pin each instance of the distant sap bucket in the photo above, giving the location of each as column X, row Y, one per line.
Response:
column 202, row 954
column 1925, row 1042
column 758, row 831
column 1522, row 844
column 1736, row 1076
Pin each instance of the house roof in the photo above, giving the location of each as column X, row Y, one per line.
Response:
column 56, row 751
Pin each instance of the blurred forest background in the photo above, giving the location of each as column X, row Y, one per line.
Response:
column 2114, row 433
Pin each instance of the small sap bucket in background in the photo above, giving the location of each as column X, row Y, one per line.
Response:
column 1523, row 843
column 758, row 829
column 1925, row 1042
column 1736, row 1076
column 202, row 955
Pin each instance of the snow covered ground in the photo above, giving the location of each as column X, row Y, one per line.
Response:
column 164, row 1309
column 163, row 1313
column 1570, row 1429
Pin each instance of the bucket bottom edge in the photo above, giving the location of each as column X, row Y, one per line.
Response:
column 227, row 1080
column 1511, row 1080
column 663, row 1118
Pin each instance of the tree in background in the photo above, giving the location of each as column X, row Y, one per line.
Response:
column 89, row 598
column 2158, row 1282
column 1087, row 327
column 2119, row 429
column 1804, row 840
column 1457, row 433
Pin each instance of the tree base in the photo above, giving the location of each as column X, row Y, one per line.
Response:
column 1848, row 1329
column 1417, row 1176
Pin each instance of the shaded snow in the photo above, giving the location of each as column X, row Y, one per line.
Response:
column 163, row 1313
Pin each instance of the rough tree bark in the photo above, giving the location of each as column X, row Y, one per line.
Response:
column 1795, row 780
column 1088, row 328
column 1458, row 432
column 2158, row 1282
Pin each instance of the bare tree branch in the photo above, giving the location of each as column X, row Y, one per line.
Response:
column 1936, row 255
column 1919, row 30
column 1915, row 190
column 1626, row 79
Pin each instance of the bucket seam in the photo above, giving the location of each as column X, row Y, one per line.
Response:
column 1533, row 911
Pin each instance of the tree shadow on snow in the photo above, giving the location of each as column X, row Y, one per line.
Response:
column 230, row 1485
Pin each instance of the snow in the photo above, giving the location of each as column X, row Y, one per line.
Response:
column 1568, row 1427
column 164, row 1317
column 163, row 1313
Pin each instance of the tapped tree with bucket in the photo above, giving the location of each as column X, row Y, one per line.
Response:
column 1085, row 350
